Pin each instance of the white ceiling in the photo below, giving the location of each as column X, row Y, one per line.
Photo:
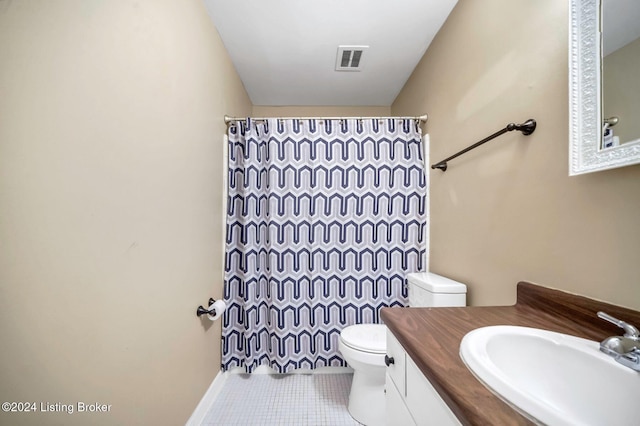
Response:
column 285, row 50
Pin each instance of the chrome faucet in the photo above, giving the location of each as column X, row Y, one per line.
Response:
column 624, row 349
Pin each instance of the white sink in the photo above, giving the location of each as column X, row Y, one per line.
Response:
column 553, row 378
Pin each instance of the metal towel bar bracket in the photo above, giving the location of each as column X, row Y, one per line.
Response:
column 526, row 128
column 201, row 310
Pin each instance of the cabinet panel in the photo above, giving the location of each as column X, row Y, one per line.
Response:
column 396, row 411
column 424, row 402
column 396, row 371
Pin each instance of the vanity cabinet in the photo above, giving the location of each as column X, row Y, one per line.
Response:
column 409, row 397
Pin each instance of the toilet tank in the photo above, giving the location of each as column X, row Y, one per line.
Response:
column 427, row 289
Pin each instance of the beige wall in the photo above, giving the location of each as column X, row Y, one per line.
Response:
column 508, row 211
column 110, row 191
column 320, row 111
column 621, row 90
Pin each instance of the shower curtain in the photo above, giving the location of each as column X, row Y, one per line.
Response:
column 324, row 220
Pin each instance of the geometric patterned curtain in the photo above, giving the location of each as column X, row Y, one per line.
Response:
column 325, row 218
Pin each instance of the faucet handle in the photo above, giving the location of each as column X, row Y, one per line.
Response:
column 629, row 331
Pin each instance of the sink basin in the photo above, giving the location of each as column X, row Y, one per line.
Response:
column 553, row 378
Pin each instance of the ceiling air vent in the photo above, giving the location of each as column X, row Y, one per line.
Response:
column 350, row 58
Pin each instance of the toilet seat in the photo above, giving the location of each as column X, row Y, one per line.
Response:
column 370, row 338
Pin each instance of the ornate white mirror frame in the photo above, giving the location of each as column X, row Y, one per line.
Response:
column 585, row 100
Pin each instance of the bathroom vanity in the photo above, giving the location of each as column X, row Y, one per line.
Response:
column 427, row 381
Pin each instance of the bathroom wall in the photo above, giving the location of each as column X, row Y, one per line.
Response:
column 321, row 111
column 111, row 125
column 508, row 211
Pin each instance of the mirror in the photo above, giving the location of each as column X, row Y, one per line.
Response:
column 587, row 150
column 620, row 71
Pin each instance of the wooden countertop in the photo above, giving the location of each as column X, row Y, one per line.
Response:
column 432, row 336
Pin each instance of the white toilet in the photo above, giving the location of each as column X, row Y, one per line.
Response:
column 364, row 346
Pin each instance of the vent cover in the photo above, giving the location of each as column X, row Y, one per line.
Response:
column 350, row 58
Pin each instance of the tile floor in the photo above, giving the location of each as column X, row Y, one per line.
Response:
column 282, row 399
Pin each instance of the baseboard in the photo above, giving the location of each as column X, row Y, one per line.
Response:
column 206, row 402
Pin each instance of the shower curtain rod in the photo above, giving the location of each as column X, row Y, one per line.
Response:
column 227, row 119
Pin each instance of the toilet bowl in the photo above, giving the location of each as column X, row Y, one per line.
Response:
column 363, row 346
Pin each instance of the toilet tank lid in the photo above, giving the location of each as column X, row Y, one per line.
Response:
column 436, row 283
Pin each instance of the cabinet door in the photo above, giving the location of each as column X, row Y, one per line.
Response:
column 396, row 370
column 396, row 411
column 424, row 402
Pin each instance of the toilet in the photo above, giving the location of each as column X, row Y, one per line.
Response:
column 364, row 346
